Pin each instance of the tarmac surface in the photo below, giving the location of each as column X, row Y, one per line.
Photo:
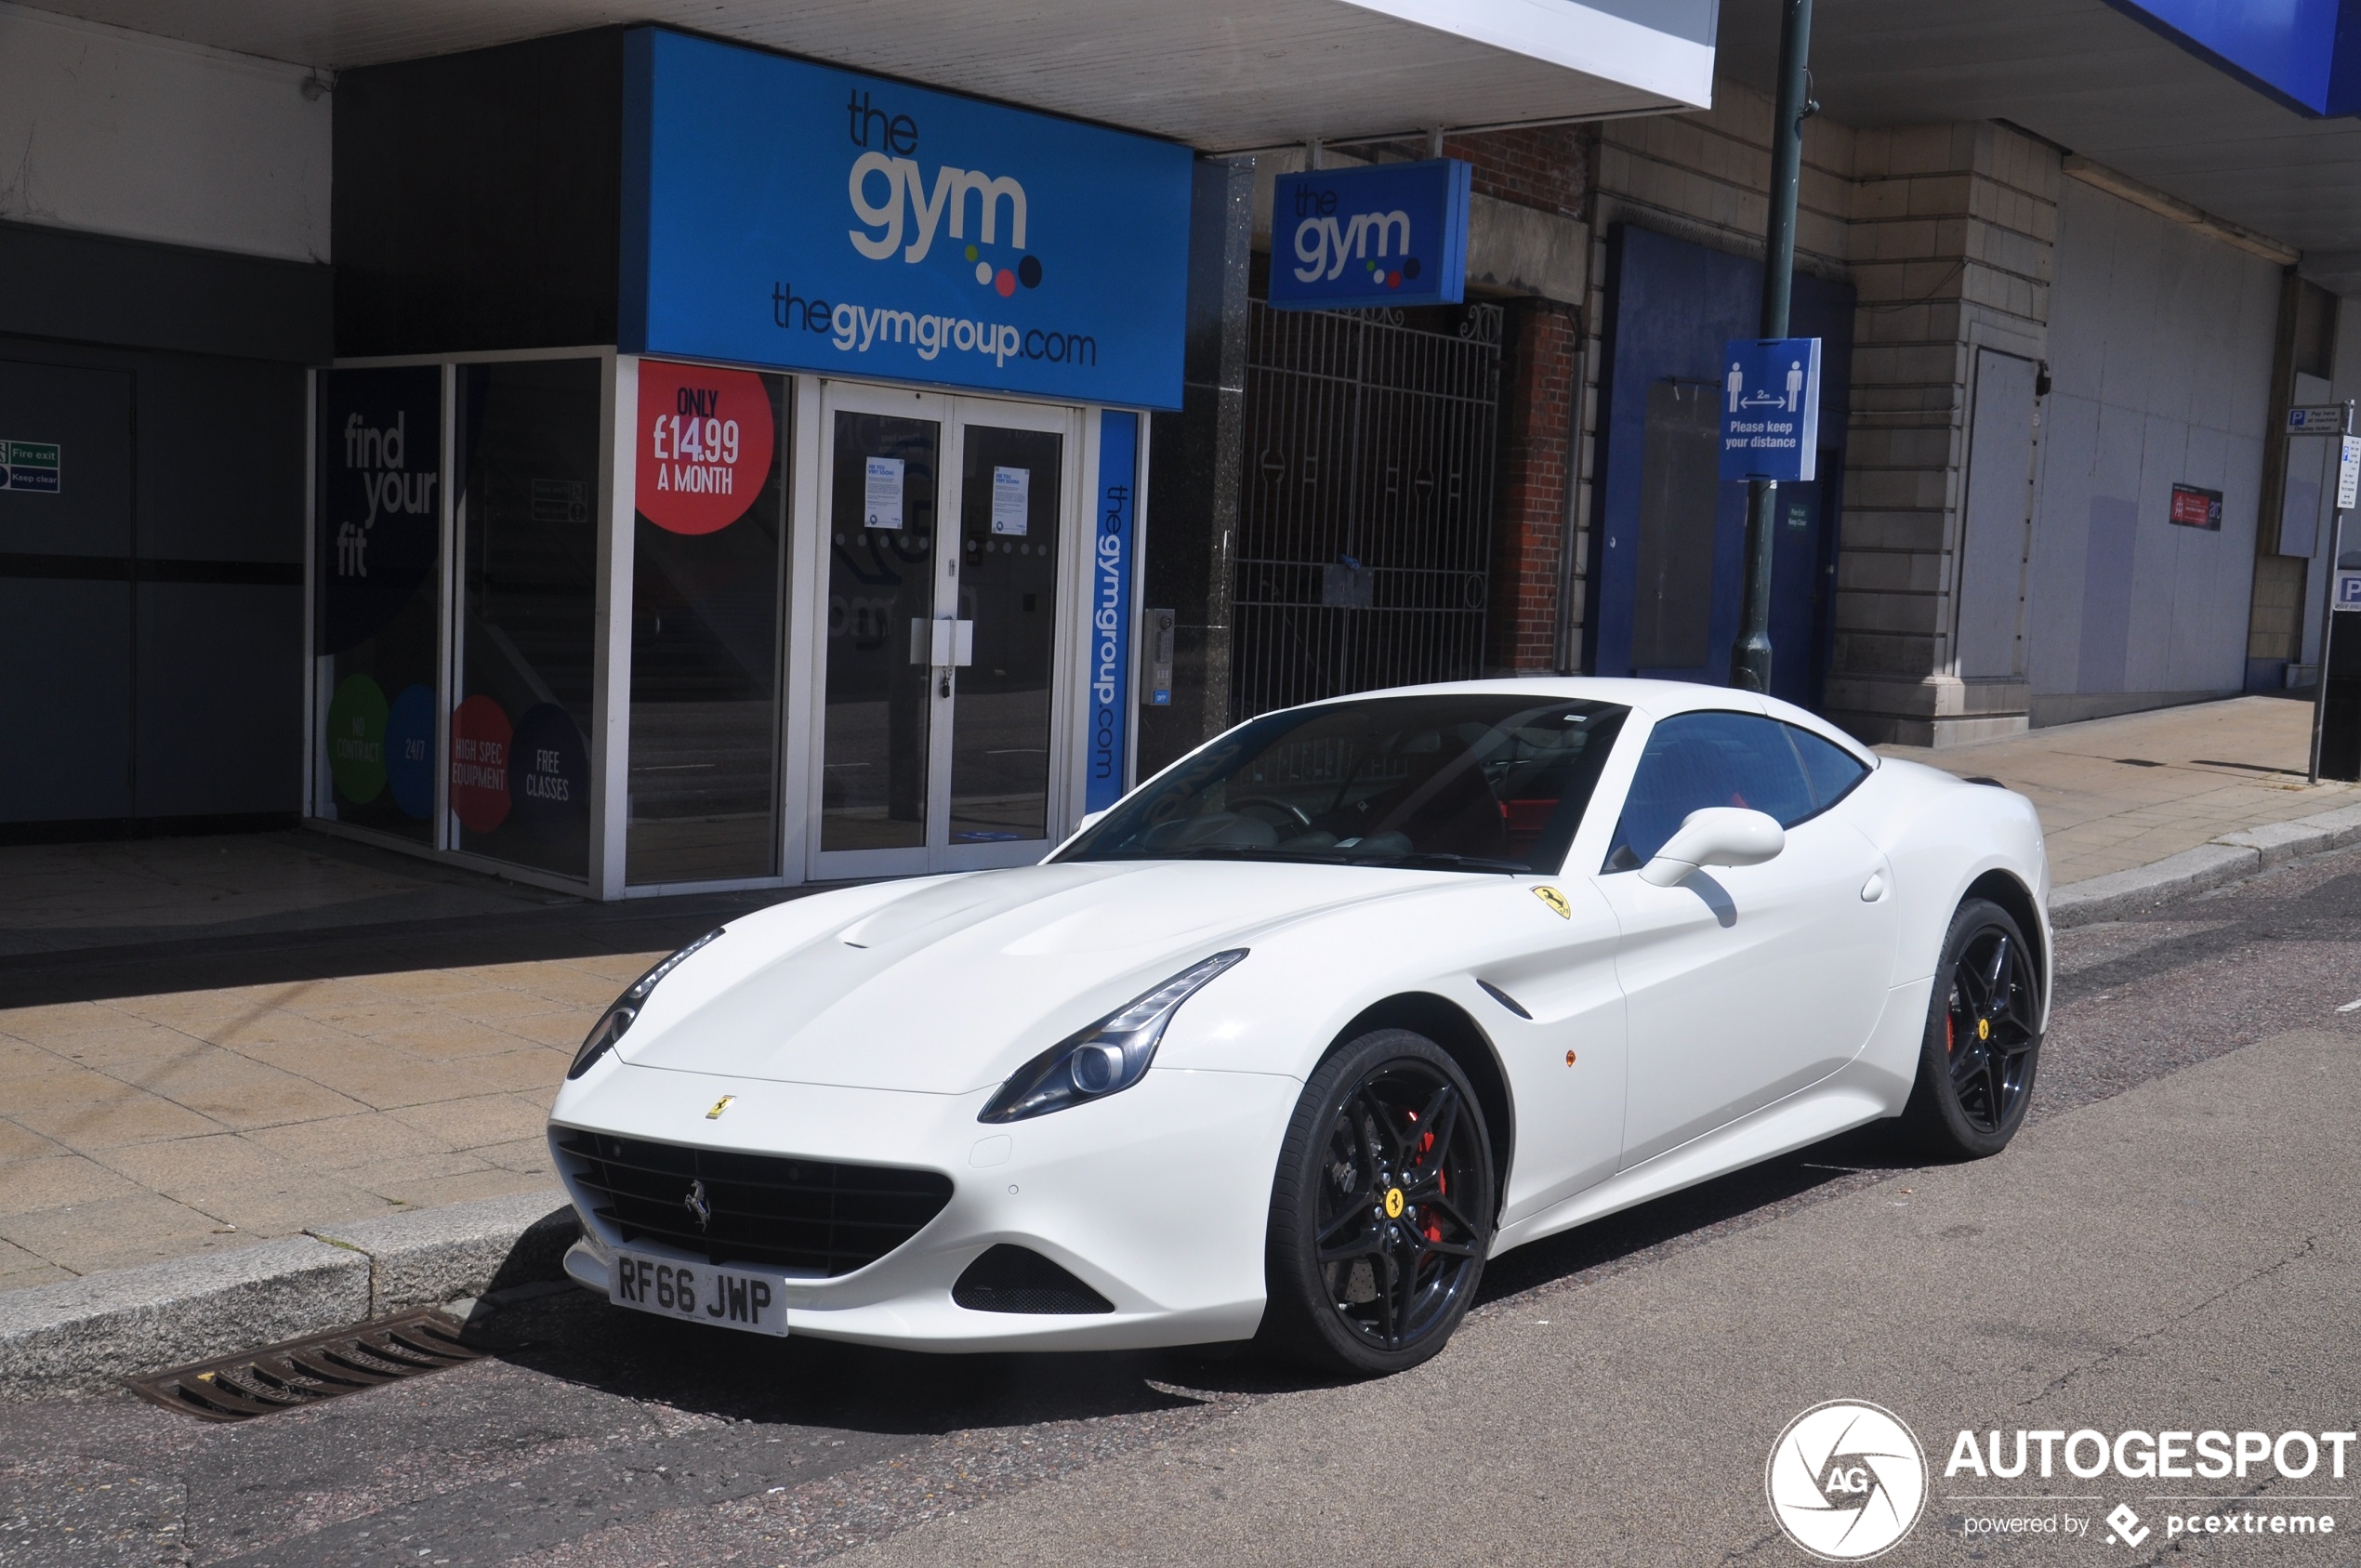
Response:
column 2169, row 1246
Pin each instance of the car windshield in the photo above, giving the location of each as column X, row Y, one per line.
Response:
column 1468, row 781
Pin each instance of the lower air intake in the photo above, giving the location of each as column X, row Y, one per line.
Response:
column 1012, row 1279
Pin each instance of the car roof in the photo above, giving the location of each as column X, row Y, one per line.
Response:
column 1655, row 698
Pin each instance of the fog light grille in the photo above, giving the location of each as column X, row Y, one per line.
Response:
column 1015, row 1279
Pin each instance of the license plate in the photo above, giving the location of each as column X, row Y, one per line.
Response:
column 699, row 1292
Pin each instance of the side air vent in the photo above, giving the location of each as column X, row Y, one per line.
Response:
column 1013, row 1279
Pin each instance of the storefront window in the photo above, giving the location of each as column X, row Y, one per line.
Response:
column 378, row 542
column 529, row 547
column 707, row 552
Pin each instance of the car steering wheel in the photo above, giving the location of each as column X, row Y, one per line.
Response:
column 1302, row 821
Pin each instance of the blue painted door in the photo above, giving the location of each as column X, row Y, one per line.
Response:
column 1671, row 537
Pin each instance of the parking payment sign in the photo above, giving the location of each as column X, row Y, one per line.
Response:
column 2348, row 595
column 1770, row 408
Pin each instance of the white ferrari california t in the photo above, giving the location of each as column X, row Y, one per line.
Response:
column 1309, row 1025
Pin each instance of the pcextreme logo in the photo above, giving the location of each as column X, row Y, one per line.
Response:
column 1847, row 1480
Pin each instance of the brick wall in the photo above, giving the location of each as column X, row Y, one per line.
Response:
column 1541, row 380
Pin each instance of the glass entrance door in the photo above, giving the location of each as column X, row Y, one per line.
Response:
column 945, row 527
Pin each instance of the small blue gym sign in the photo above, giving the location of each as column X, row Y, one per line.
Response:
column 1380, row 234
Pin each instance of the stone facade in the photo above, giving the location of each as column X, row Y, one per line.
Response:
column 1953, row 234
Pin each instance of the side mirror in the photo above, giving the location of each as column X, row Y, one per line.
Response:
column 1716, row 836
column 1091, row 818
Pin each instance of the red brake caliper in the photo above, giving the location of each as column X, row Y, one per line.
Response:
column 1441, row 1185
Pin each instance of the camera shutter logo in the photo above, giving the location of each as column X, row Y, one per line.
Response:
column 1846, row 1481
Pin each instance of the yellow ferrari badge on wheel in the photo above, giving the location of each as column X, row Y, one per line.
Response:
column 1394, row 1202
column 1984, row 1028
column 1555, row 900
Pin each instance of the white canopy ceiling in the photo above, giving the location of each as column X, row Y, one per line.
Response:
column 1218, row 74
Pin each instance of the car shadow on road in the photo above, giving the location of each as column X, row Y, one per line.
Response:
column 578, row 1337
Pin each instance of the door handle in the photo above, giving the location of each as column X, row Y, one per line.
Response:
column 1874, row 889
column 943, row 643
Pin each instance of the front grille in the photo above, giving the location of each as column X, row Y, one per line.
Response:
column 810, row 1215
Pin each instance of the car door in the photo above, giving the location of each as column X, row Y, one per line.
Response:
column 1742, row 983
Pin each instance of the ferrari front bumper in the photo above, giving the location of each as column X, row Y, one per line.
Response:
column 1157, row 1198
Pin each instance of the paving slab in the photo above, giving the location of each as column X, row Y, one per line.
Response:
column 2122, row 792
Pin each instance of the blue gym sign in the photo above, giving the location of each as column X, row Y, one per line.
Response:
column 1383, row 234
column 1770, row 408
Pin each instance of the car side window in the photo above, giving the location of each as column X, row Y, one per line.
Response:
column 1832, row 770
column 1694, row 760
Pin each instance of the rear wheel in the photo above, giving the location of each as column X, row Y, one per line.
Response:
column 1983, row 1039
column 1383, row 1209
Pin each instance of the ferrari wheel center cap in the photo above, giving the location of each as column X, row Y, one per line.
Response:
column 1984, row 1028
column 1394, row 1202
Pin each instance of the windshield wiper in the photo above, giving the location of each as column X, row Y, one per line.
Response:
column 1451, row 861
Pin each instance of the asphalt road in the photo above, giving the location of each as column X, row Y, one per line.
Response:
column 2170, row 1245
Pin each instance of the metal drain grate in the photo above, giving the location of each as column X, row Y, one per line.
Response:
column 303, row 1372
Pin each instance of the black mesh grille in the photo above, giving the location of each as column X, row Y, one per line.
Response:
column 762, row 1209
column 1012, row 1279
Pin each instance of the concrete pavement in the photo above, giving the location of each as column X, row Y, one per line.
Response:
column 208, row 1043
column 2119, row 793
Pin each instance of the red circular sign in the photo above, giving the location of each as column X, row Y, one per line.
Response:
column 705, row 445
column 480, row 765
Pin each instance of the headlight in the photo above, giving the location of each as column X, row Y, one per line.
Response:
column 618, row 1017
column 1112, row 1054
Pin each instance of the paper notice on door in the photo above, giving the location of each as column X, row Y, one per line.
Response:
column 1011, row 499
column 881, row 503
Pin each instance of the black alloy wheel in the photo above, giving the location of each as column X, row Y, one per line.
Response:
column 1983, row 1040
column 1383, row 1208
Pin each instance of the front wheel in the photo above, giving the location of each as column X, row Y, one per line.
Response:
column 1382, row 1209
column 1983, row 1039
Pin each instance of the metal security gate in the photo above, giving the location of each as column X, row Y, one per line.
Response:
column 1364, row 526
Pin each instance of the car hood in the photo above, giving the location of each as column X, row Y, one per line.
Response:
column 947, row 984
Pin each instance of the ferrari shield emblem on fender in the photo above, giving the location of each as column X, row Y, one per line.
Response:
column 1555, row 900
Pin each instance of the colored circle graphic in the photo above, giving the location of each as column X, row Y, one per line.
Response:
column 357, row 739
column 1005, row 283
column 1029, row 271
column 705, row 441
column 549, row 771
column 410, row 751
column 480, row 747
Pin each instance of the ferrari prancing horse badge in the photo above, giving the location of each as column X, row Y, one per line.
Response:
column 1555, row 900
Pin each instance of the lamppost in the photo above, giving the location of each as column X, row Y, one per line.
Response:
column 1750, row 657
